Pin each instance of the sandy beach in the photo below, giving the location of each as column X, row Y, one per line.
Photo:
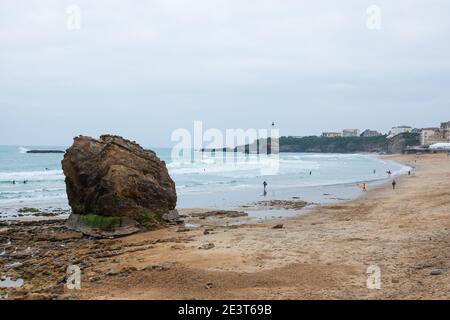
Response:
column 322, row 254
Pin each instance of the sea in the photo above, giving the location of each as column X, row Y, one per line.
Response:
column 206, row 180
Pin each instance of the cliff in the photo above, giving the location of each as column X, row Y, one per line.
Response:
column 337, row 145
column 349, row 144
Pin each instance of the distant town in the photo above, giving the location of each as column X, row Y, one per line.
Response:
column 400, row 139
column 428, row 136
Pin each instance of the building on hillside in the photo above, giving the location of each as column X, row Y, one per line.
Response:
column 398, row 130
column 370, row 133
column 331, row 134
column 350, row 133
column 445, row 125
column 431, row 136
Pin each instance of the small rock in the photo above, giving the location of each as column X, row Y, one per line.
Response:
column 128, row 270
column 207, row 246
column 157, row 267
column 278, row 226
column 24, row 253
column 14, row 265
column 112, row 273
column 435, row 272
column 394, row 280
column 171, row 216
column 94, row 279
column 209, row 285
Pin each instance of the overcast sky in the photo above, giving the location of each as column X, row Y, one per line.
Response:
column 142, row 69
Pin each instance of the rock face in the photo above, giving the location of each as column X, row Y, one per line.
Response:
column 112, row 181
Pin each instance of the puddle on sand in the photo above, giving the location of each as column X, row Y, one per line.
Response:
column 6, row 282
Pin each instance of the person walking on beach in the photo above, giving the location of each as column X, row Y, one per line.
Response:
column 265, row 185
column 393, row 184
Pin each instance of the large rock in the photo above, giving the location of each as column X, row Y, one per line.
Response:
column 112, row 182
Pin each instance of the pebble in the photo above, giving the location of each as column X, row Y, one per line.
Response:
column 207, row 246
column 112, row 273
column 209, row 285
column 14, row 265
column 435, row 272
column 157, row 267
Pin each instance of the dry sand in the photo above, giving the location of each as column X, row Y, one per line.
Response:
column 320, row 255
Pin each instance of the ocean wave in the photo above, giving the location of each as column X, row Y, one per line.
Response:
column 47, row 175
column 33, row 199
column 23, row 150
column 18, row 192
column 238, row 167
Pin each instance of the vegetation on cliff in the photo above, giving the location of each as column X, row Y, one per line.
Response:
column 349, row 144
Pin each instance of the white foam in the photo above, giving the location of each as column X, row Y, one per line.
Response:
column 32, row 175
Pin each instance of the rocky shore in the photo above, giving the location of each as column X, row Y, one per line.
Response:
column 35, row 255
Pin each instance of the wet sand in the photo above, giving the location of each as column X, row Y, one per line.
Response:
column 322, row 254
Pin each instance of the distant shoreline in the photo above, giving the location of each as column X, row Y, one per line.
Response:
column 45, row 151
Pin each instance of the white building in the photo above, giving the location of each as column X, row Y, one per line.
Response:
column 350, row 133
column 370, row 133
column 398, row 130
column 331, row 134
column 441, row 146
column 429, row 136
